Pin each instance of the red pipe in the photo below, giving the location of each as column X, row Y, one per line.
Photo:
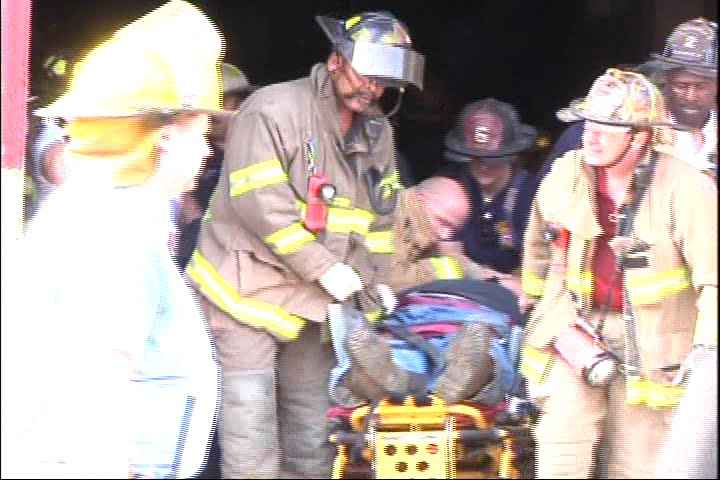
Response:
column 15, row 79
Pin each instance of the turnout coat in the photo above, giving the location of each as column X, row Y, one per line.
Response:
column 673, row 284
column 255, row 259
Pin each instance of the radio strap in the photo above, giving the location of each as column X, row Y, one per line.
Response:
column 626, row 217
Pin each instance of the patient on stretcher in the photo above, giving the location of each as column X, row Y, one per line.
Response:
column 456, row 339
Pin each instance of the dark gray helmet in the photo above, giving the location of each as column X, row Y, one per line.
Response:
column 692, row 45
column 378, row 46
column 488, row 129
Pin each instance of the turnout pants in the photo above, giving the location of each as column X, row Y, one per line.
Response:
column 575, row 416
column 274, row 401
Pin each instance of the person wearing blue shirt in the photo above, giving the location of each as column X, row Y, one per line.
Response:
column 484, row 151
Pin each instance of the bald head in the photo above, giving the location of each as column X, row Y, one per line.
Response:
column 446, row 204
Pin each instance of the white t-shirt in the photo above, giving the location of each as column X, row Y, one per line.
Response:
column 686, row 148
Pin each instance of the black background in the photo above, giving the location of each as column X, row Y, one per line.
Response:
column 535, row 54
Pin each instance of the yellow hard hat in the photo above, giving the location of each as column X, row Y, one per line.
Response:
column 166, row 61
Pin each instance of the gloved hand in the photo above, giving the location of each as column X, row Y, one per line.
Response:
column 341, row 281
column 387, row 298
column 699, row 355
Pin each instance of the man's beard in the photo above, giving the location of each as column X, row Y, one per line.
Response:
column 359, row 93
column 696, row 119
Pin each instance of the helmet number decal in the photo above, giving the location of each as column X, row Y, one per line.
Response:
column 690, row 41
column 481, row 134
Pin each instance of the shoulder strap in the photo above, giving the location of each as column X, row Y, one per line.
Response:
column 511, row 199
column 626, row 217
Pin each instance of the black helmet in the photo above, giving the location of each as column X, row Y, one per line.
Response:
column 488, row 129
column 692, row 45
column 377, row 45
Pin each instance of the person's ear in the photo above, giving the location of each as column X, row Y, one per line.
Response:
column 334, row 63
column 166, row 134
column 641, row 137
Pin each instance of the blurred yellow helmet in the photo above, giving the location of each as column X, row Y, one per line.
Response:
column 166, row 61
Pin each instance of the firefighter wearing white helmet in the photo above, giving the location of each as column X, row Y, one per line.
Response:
column 120, row 377
column 301, row 217
column 620, row 257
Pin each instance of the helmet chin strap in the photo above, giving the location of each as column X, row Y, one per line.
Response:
column 398, row 102
column 620, row 157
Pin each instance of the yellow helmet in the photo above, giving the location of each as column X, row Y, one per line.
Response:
column 166, row 61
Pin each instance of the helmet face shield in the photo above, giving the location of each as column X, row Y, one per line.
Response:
column 377, row 46
column 389, row 65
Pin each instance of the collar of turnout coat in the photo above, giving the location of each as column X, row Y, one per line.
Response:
column 414, row 223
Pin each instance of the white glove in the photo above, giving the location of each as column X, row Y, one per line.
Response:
column 341, row 281
column 387, row 297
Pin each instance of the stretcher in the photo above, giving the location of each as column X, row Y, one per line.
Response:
column 421, row 436
column 429, row 439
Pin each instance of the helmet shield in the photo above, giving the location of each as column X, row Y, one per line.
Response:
column 378, row 46
column 389, row 65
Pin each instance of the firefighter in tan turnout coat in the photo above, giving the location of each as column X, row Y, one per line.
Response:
column 301, row 217
column 650, row 312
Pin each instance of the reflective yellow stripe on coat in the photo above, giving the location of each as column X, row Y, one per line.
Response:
column 446, row 268
column 390, row 184
column 579, row 282
column 655, row 395
column 380, row 242
column 256, row 176
column 290, row 239
column 532, row 284
column 246, row 310
column 535, row 363
column 646, row 287
column 373, row 317
column 344, row 220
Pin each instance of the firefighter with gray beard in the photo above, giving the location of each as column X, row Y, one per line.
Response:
column 301, row 218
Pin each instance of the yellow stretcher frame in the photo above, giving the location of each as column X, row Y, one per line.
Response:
column 420, row 441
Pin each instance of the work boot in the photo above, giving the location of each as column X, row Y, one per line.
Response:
column 357, row 387
column 469, row 366
column 374, row 356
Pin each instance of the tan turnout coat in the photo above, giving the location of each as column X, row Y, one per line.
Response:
column 255, row 259
column 674, row 296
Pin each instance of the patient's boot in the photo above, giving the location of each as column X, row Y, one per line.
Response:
column 469, row 365
column 357, row 387
column 373, row 355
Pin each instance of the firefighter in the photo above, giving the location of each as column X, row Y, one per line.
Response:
column 120, row 377
column 686, row 71
column 193, row 205
column 484, row 150
column 301, row 217
column 621, row 262
column 689, row 70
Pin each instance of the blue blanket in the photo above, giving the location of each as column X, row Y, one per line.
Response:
column 503, row 349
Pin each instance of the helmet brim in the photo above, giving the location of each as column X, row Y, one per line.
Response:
column 575, row 110
column 458, row 151
column 667, row 64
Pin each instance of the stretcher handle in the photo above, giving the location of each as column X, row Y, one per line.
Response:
column 468, row 438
